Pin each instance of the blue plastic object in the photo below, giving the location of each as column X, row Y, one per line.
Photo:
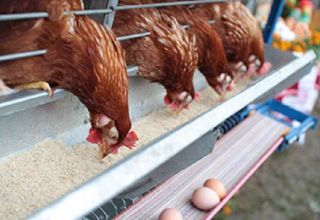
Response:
column 297, row 121
column 275, row 12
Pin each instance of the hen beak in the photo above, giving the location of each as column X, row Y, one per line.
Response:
column 105, row 149
column 94, row 137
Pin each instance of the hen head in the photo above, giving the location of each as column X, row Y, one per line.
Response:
column 110, row 135
column 181, row 58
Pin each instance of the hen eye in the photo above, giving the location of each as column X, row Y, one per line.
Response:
column 230, row 55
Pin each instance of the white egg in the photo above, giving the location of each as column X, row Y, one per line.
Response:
column 216, row 186
column 205, row 198
column 170, row 214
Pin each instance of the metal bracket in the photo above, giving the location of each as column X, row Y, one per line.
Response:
column 109, row 18
column 275, row 12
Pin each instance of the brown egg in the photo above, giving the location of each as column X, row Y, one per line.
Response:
column 205, row 198
column 170, row 214
column 216, row 186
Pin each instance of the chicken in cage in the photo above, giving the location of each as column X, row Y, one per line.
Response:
column 116, row 56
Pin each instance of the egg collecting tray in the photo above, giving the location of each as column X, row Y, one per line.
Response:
column 217, row 164
column 243, row 149
column 62, row 117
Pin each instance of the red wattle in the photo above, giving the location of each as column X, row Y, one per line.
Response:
column 166, row 100
column 197, row 97
column 231, row 86
column 174, row 106
column 93, row 136
column 130, row 140
column 133, row 136
column 251, row 69
column 114, row 150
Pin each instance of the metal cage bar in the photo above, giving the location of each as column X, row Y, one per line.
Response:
column 15, row 56
column 34, row 15
column 109, row 12
column 109, row 18
column 145, row 34
column 113, row 7
column 28, row 99
column 41, row 52
column 165, row 4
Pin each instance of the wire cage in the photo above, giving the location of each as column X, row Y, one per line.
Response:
column 104, row 11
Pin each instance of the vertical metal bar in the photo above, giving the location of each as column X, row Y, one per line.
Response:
column 109, row 18
column 275, row 12
column 99, row 4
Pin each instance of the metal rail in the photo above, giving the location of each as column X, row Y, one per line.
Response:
column 20, row 101
column 34, row 15
column 133, row 36
column 112, row 8
column 15, row 56
column 165, row 4
column 116, row 179
column 28, row 99
column 145, row 34
column 139, row 35
column 27, row 54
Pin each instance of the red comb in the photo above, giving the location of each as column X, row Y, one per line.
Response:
column 93, row 137
column 166, row 100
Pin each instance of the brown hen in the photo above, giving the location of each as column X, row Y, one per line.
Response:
column 167, row 56
column 212, row 61
column 239, row 31
column 82, row 57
